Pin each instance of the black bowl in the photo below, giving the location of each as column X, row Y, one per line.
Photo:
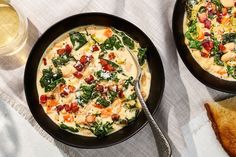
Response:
column 202, row 75
column 154, row 61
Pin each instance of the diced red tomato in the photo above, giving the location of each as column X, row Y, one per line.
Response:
column 95, row 48
column 222, row 47
column 43, row 99
column 78, row 74
column 60, row 51
column 208, row 45
column 121, row 94
column 207, row 24
column 68, row 49
column 111, row 55
column 74, row 107
column 219, row 19
column 89, row 79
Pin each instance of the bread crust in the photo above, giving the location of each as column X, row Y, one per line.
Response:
column 215, row 127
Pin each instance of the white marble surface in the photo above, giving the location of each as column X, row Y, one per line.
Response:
column 181, row 105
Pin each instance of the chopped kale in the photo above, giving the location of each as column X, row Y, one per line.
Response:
column 51, row 79
column 195, row 44
column 65, row 127
column 111, row 43
column 103, row 102
column 142, row 55
column 217, row 59
column 62, row 60
column 231, row 70
column 128, row 82
column 229, row 37
column 77, row 39
column 101, row 129
column 87, row 94
column 103, row 75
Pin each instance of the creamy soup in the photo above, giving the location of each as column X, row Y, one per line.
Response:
column 210, row 33
column 85, row 80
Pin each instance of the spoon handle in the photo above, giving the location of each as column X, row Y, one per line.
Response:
column 163, row 146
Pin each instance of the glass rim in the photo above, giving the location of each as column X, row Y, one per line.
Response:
column 20, row 38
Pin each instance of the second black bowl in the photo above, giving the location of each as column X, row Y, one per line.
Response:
column 202, row 75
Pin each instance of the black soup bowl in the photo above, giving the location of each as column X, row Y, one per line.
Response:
column 102, row 19
column 202, row 75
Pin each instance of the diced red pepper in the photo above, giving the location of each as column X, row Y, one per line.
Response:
column 63, row 94
column 108, row 67
column 74, row 107
column 224, row 11
column 95, row 48
column 44, row 61
column 59, row 108
column 84, row 59
column 78, row 74
column 43, row 99
column 71, row 88
column 99, row 88
column 222, row 47
column 89, row 79
column 60, row 51
column 121, row 94
column 68, row 49
column 103, row 62
column 207, row 24
column 67, row 107
column 204, row 54
column 202, row 17
column 208, row 45
column 111, row 55
column 79, row 67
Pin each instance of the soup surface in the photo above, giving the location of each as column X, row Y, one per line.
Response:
column 85, row 80
column 210, row 33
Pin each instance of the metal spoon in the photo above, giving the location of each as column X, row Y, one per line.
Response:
column 163, row 146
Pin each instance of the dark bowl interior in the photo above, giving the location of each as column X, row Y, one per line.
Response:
column 202, row 75
column 154, row 61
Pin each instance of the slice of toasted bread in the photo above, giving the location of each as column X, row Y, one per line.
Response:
column 223, row 117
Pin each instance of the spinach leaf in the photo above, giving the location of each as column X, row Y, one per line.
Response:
column 65, row 127
column 229, row 37
column 102, row 75
column 128, row 42
column 217, row 3
column 87, row 94
column 195, row 44
column 217, row 59
column 77, row 39
column 62, row 60
column 133, row 96
column 231, row 70
column 111, row 42
column 142, row 55
column 50, row 80
column 103, row 102
column 202, row 9
column 112, row 95
column 188, row 35
column 127, row 82
column 101, row 129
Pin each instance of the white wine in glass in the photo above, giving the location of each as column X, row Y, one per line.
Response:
column 13, row 29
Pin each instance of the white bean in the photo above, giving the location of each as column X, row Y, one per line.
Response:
column 230, row 46
column 228, row 57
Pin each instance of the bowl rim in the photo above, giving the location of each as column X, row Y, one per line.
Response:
column 157, row 104
column 189, row 61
